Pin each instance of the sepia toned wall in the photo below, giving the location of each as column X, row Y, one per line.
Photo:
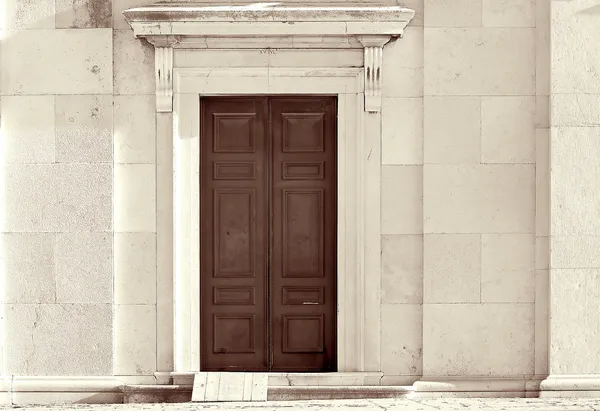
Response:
column 465, row 193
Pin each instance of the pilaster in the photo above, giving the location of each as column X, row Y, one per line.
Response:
column 574, row 292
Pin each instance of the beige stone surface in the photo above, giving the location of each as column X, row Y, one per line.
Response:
column 405, row 52
column 40, row 198
column 542, row 111
column 57, row 339
column 461, row 13
column 542, row 182
column 89, row 207
column 575, row 174
column 490, row 61
column 402, row 131
column 542, row 253
column 118, row 6
column 459, row 338
column 418, row 6
column 133, row 64
column 28, row 129
column 29, row 268
column 164, row 333
column 75, row 62
column 84, row 128
column 254, row 58
column 21, row 15
column 84, row 268
column 542, row 48
column 574, row 296
column 507, row 268
column 135, row 198
column 508, row 129
column 26, row 188
column 452, row 268
column 509, row 13
column 83, row 14
column 575, row 110
column 401, row 200
column 401, row 339
column 573, row 216
column 478, row 198
column 135, row 339
column 402, row 269
column 164, row 248
column 572, row 29
column 403, row 82
column 291, row 58
column 135, row 129
column 542, row 318
column 575, row 251
column 135, row 268
column 452, row 130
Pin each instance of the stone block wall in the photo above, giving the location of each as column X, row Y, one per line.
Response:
column 465, row 199
column 78, row 226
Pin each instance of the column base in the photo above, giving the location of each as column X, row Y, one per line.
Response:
column 557, row 386
column 487, row 387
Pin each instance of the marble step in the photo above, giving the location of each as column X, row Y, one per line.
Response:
column 156, row 393
column 229, row 387
column 331, row 392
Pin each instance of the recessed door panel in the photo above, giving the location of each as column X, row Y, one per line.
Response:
column 233, row 230
column 303, row 225
column 268, row 246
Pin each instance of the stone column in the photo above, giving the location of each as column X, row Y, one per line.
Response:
column 574, row 298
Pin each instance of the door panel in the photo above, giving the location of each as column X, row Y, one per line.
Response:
column 304, row 233
column 233, row 239
column 268, row 233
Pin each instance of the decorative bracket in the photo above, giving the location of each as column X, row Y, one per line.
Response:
column 373, row 70
column 163, row 70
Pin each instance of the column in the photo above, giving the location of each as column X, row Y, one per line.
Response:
column 574, row 298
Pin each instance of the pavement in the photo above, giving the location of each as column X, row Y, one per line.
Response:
column 395, row 404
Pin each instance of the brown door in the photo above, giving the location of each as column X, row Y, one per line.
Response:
column 268, row 233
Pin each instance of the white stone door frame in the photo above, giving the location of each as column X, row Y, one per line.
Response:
column 358, row 277
column 359, row 92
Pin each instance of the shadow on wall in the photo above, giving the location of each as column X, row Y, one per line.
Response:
column 591, row 10
column 60, row 14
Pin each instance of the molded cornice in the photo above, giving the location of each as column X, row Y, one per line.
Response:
column 191, row 25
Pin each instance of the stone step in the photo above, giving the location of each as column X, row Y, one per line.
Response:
column 183, row 393
column 229, row 386
column 296, row 393
column 156, row 393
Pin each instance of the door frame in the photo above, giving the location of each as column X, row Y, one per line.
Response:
column 359, row 204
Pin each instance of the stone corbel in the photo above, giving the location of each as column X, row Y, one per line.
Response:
column 373, row 70
column 163, row 70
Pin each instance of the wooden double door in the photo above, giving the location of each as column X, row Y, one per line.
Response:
column 268, row 242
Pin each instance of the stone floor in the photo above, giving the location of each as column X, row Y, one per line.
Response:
column 455, row 404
